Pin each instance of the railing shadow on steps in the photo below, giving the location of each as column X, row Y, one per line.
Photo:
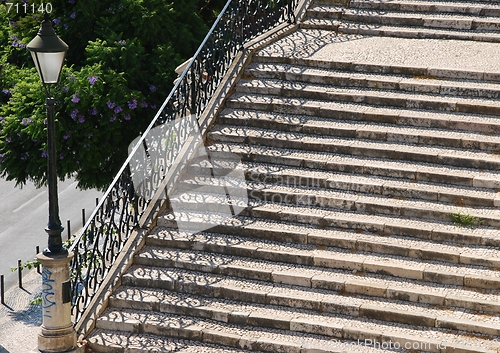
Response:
column 127, row 207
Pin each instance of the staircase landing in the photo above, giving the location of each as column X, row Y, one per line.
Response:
column 438, row 56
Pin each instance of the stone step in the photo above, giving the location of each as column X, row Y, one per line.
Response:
column 476, row 8
column 106, row 341
column 410, row 15
column 300, row 338
column 344, row 3
column 341, row 280
column 355, row 67
column 325, row 11
column 445, row 156
column 448, row 21
column 285, row 309
column 262, row 294
column 359, row 112
column 415, row 172
column 347, row 27
column 334, row 220
column 264, row 240
column 370, row 96
column 319, row 260
column 389, row 187
column 399, row 82
column 359, row 129
column 191, row 198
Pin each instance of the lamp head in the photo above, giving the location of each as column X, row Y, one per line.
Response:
column 48, row 52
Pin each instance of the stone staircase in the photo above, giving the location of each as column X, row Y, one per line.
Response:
column 372, row 219
column 465, row 20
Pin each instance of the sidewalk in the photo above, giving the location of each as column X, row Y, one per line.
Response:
column 19, row 321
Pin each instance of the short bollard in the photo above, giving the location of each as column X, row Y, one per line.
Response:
column 38, row 268
column 20, row 273
column 2, row 289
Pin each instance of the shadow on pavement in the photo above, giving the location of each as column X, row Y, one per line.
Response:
column 31, row 315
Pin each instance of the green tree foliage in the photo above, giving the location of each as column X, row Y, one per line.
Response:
column 210, row 9
column 118, row 70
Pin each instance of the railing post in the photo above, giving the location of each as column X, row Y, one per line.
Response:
column 193, row 107
column 291, row 15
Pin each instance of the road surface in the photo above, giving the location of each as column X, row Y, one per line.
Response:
column 24, row 216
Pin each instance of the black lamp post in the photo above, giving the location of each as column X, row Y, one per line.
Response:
column 48, row 52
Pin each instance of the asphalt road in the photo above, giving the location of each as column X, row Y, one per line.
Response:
column 24, row 215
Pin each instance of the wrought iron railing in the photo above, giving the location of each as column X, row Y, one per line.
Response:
column 122, row 206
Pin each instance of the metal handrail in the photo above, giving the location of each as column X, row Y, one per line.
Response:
column 122, row 206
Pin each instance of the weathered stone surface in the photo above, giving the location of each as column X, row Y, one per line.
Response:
column 368, row 140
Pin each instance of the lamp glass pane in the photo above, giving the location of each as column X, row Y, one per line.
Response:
column 50, row 65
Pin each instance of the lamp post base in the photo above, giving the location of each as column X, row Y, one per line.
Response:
column 56, row 341
column 78, row 349
column 58, row 334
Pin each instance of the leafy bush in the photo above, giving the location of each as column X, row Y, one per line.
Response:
column 119, row 69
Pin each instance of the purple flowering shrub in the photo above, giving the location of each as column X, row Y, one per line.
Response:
column 118, row 71
column 101, row 121
column 96, row 114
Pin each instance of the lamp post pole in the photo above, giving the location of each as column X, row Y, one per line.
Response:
column 54, row 228
column 57, row 333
